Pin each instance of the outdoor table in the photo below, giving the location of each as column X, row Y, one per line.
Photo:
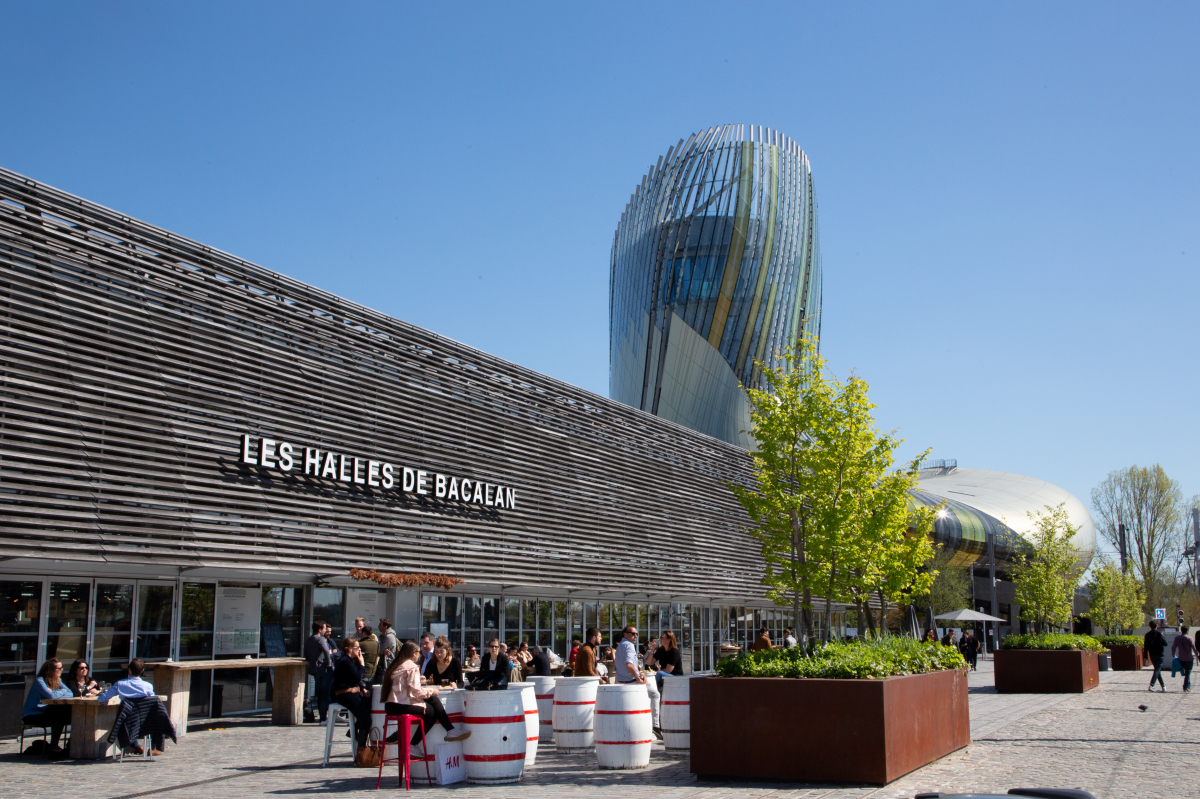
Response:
column 91, row 722
column 174, row 679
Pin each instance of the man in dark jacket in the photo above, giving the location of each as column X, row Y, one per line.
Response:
column 319, row 655
column 969, row 646
column 1153, row 643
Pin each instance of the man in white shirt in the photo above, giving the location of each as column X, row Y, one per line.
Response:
column 789, row 638
column 132, row 687
column 628, row 672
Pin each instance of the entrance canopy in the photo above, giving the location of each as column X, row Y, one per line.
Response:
column 967, row 615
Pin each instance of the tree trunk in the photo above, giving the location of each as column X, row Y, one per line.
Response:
column 882, row 612
column 829, row 602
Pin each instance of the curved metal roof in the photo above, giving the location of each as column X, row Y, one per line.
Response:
column 1010, row 498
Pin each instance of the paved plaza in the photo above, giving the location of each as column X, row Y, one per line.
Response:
column 1099, row 741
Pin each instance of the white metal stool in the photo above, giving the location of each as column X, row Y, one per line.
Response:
column 336, row 711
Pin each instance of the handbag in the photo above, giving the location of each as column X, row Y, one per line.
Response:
column 1176, row 667
column 369, row 756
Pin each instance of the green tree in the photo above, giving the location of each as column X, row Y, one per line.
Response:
column 826, row 507
column 951, row 588
column 1151, row 506
column 1045, row 582
column 1116, row 598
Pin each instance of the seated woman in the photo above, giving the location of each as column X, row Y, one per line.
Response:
column 80, row 681
column 443, row 668
column 666, row 658
column 349, row 688
column 405, row 696
column 48, row 685
column 493, row 670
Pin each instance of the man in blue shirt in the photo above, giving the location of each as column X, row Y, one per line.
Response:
column 133, row 686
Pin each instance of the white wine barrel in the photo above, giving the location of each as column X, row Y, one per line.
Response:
column 495, row 752
column 529, row 702
column 452, row 700
column 574, row 710
column 624, row 728
column 674, row 713
column 544, row 691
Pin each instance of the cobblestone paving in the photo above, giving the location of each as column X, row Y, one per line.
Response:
column 1099, row 741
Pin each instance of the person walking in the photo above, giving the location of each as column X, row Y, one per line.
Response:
column 1153, row 644
column 319, row 655
column 968, row 645
column 1184, row 649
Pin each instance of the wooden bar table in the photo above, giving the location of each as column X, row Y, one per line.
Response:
column 91, row 722
column 173, row 679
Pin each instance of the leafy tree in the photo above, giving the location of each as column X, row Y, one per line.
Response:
column 1045, row 582
column 1116, row 598
column 827, row 509
column 951, row 587
column 1150, row 505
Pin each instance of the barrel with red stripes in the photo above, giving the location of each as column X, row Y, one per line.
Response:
column 674, row 713
column 544, row 691
column 529, row 702
column 495, row 752
column 574, row 706
column 624, row 727
column 452, row 700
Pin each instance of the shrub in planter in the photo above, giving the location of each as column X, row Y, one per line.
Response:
column 1051, row 663
column 788, row 714
column 1126, row 651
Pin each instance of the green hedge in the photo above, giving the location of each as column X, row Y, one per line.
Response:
column 1052, row 641
column 1120, row 640
column 870, row 659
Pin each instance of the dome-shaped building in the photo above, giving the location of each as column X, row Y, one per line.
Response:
column 716, row 265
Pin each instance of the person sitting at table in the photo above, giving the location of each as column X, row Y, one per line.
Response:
column 540, row 662
column 349, row 688
column 522, row 656
column 444, row 669
column 80, row 681
column 472, row 658
column 665, row 658
column 493, row 672
column 133, row 686
column 405, row 696
column 48, row 685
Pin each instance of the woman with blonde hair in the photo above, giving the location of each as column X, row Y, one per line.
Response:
column 48, row 685
column 405, row 696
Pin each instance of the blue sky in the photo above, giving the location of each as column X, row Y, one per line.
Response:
column 1008, row 193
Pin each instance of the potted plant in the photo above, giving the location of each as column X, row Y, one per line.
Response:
column 1126, row 651
column 1053, row 663
column 867, row 712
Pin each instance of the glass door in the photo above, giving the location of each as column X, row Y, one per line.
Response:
column 155, row 605
column 20, row 608
column 67, row 623
column 113, row 626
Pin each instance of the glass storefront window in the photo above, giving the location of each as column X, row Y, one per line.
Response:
column 491, row 617
column 196, row 617
column 560, row 630
column 154, row 621
column 20, row 606
column 114, row 625
column 284, row 605
column 67, row 625
column 471, row 623
column 512, row 622
column 452, row 612
column 431, row 610
column 329, row 606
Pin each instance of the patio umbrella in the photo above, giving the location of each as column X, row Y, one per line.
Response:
column 967, row 615
column 911, row 624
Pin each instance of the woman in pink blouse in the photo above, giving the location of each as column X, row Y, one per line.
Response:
column 407, row 697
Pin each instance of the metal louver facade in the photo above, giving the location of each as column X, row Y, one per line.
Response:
column 134, row 360
column 716, row 266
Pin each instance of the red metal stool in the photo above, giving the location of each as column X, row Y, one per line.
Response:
column 403, row 748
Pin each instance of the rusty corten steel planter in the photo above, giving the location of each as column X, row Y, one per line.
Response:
column 1127, row 657
column 1046, row 671
column 871, row 731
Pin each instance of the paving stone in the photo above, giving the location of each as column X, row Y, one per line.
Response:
column 1099, row 741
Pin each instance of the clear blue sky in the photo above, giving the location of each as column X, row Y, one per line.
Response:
column 1008, row 193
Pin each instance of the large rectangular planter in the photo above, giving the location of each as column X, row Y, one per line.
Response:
column 1126, row 658
column 859, row 731
column 1045, row 671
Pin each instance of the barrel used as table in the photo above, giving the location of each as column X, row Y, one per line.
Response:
column 543, row 688
column 624, row 728
column 574, row 706
column 675, row 714
column 435, row 736
column 495, row 752
column 529, row 702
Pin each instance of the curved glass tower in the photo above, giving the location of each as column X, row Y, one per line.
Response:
column 716, row 264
